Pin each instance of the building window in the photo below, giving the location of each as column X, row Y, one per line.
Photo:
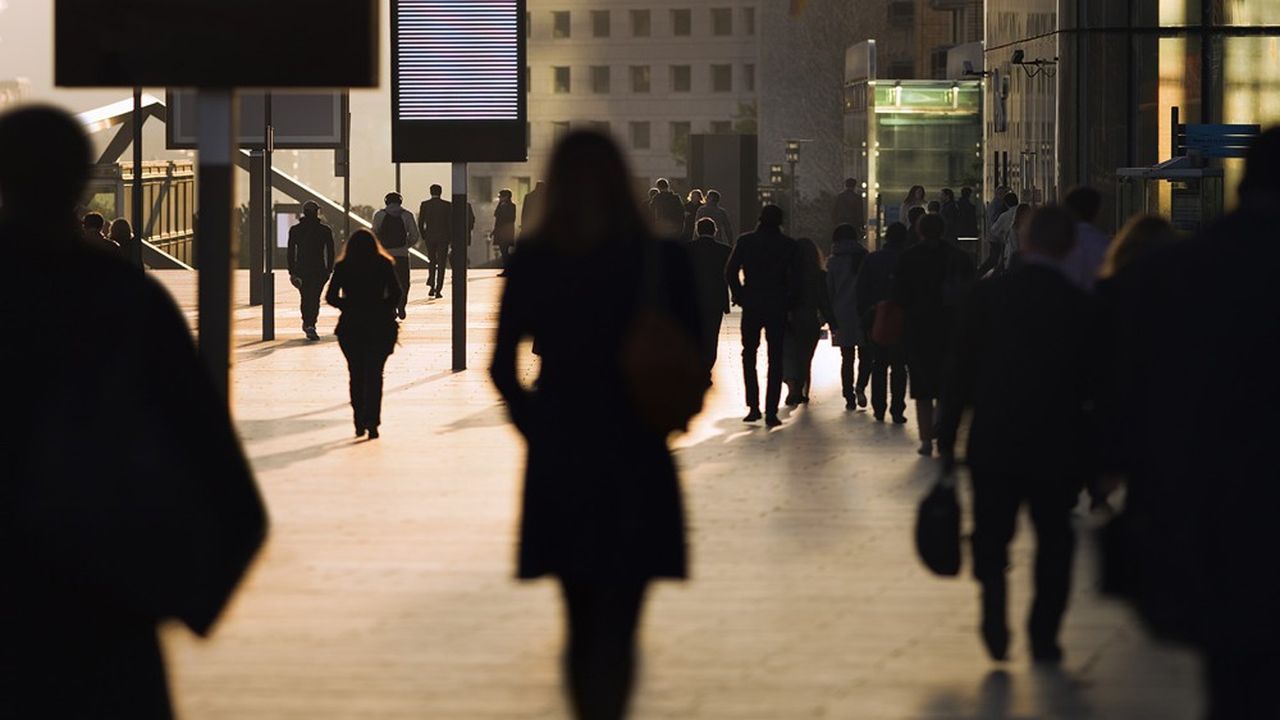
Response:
column 641, row 23
column 528, row 79
column 481, row 188
column 528, row 24
column 600, row 79
column 721, row 78
column 721, row 127
column 721, row 21
column 559, row 129
column 902, row 13
column 600, row 23
column 680, row 132
column 600, row 126
column 749, row 20
column 640, row 135
column 749, row 77
column 639, row 78
column 906, row 69
column 681, row 78
column 681, row 23
column 562, row 81
column 560, row 25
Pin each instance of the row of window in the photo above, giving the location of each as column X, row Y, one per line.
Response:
column 640, row 132
column 600, row 79
column 641, row 22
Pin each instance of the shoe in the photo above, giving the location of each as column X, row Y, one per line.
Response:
column 1046, row 653
column 899, row 419
column 400, row 313
column 311, row 333
column 862, row 398
column 752, row 416
column 995, row 637
column 771, row 420
column 850, row 405
column 995, row 627
column 373, row 433
column 439, row 294
column 879, row 417
column 804, row 399
column 926, row 448
column 359, row 431
column 792, row 401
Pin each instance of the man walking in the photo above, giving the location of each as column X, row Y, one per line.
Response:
column 666, row 210
column 888, row 362
column 714, row 211
column 310, row 263
column 532, row 210
column 504, row 227
column 435, row 224
column 966, row 215
column 761, row 274
column 850, row 208
column 397, row 231
column 709, row 260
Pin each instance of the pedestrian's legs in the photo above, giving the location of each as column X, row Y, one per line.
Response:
column 924, row 423
column 505, row 251
column 402, row 274
column 600, row 653
column 775, row 333
column 995, row 516
column 865, row 363
column 311, row 290
column 847, row 357
column 356, row 370
column 439, row 261
column 374, row 362
column 711, row 338
column 1055, row 547
column 751, row 328
column 897, row 368
column 808, row 348
column 879, row 362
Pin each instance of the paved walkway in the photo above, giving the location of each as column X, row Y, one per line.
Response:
column 385, row 589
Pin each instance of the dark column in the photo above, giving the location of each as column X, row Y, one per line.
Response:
column 268, row 232
column 215, row 231
column 460, row 235
column 256, row 226
column 139, row 222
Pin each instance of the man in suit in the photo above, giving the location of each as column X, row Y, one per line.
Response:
column 435, row 225
column 310, row 263
column 1022, row 361
column 715, row 211
column 761, row 274
column 850, row 208
column 666, row 211
column 709, row 258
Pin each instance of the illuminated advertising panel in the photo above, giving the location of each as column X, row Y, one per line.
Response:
column 457, row 81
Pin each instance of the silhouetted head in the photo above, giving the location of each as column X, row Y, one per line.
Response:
column 935, row 207
column 653, row 193
column 771, row 216
column 850, row 183
column 393, row 198
column 706, row 227
column 914, row 215
column 1011, row 200
column 1261, row 182
column 844, row 232
column 810, row 256
column 311, row 209
column 948, row 194
column 436, row 190
column 363, row 249
column 1021, row 217
column 1001, row 191
column 1083, row 202
column 896, row 235
column 93, row 223
column 713, row 197
column 695, row 196
column 915, row 194
column 931, row 228
column 121, row 230
column 1051, row 232
column 590, row 198
column 1138, row 238
column 504, row 195
column 44, row 164
column 966, row 192
column 662, row 185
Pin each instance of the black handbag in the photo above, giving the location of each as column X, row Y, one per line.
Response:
column 938, row 529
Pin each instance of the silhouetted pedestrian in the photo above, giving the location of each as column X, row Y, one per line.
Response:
column 435, row 224
column 666, row 211
column 601, row 507
column 849, row 334
column 931, row 280
column 1086, row 258
column 93, row 225
column 504, row 227
column 915, row 199
column 811, row 310
column 762, row 277
column 888, row 362
column 950, row 211
column 1142, row 236
column 532, row 210
column 396, row 232
column 850, row 208
column 997, row 206
column 715, row 211
column 126, row 500
column 709, row 258
column 966, row 215
column 692, row 205
column 311, row 260
column 1022, row 361
column 998, row 251
column 913, row 224
column 122, row 235
column 366, row 290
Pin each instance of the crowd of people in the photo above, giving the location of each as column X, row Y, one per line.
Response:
column 1069, row 354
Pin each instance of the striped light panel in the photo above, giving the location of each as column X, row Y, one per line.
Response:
column 458, row 60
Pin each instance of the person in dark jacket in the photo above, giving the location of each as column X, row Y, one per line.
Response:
column 504, row 227
column 310, row 263
column 762, row 280
column 850, row 207
column 435, row 225
column 811, row 310
column 666, row 211
column 602, row 509
column 397, row 232
column 950, row 212
column 1022, row 360
column 931, row 279
column 888, row 363
column 122, row 235
column 93, row 226
column 966, row 215
column 848, row 332
column 691, row 207
column 126, row 500
column 533, row 209
column 366, row 290
column 709, row 259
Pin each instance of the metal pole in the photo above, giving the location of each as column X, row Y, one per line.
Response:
column 268, row 230
column 135, row 250
column 398, row 177
column 346, row 179
column 256, row 225
column 215, row 251
column 459, row 267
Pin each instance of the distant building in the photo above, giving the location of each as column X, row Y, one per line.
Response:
column 13, row 91
column 940, row 26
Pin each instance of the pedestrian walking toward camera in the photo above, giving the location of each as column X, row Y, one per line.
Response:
column 709, row 257
column 397, row 231
column 435, row 224
column 601, row 509
column 366, row 290
column 888, row 362
column 310, row 263
column 915, row 199
column 504, row 227
column 92, row 226
column 849, row 334
column 122, row 235
column 811, row 310
column 966, row 215
column 931, row 280
column 1023, row 361
column 715, row 211
column 762, row 278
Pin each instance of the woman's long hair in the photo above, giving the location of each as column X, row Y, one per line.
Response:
column 363, row 250
column 915, row 194
column 589, row 196
column 1137, row 239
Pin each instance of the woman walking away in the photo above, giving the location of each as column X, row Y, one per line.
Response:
column 602, row 510
column 847, row 255
column 364, row 287
column 813, row 307
column 691, row 207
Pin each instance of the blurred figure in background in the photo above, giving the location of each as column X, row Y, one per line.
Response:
column 122, row 235
column 310, row 263
column 126, row 500
column 1022, row 360
column 397, row 231
column 913, row 223
column 888, row 363
column 966, row 215
column 692, row 205
column 504, row 227
column 850, row 208
column 709, row 257
column 998, row 235
column 1142, row 236
column 666, row 211
column 365, row 289
column 435, row 225
column 997, row 206
column 1085, row 261
column 848, row 332
column 713, row 210
column 533, row 209
column 950, row 211
column 915, row 199
column 93, row 225
column 811, row 310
